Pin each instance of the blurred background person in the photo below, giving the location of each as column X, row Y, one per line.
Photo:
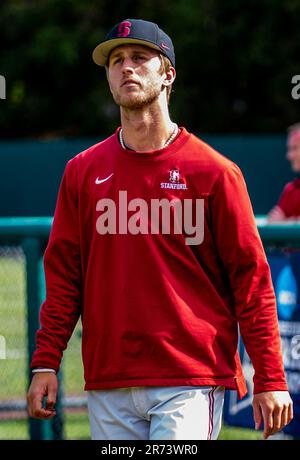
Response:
column 288, row 206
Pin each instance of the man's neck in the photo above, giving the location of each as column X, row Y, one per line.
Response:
column 147, row 129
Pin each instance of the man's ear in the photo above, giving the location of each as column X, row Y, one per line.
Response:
column 170, row 77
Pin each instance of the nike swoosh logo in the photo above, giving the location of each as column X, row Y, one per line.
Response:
column 164, row 46
column 99, row 181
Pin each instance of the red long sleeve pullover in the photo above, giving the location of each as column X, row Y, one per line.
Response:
column 155, row 310
column 289, row 200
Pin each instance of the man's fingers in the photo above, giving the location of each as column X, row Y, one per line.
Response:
column 281, row 417
column 278, row 416
column 37, row 407
column 290, row 412
column 284, row 417
column 50, row 405
column 51, row 399
column 44, row 413
column 276, row 214
column 276, row 408
column 40, row 412
column 267, row 412
column 36, row 402
column 257, row 416
column 42, row 386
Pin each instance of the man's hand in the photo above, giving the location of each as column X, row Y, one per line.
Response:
column 274, row 408
column 276, row 215
column 43, row 384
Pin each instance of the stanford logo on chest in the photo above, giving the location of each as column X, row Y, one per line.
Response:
column 174, row 181
column 174, row 176
column 124, row 29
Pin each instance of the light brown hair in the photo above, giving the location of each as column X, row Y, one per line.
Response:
column 165, row 67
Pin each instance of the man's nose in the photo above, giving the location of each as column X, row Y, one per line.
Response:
column 127, row 66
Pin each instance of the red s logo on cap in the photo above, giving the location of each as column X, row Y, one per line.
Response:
column 124, row 29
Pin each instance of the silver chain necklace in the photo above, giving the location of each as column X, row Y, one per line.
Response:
column 168, row 141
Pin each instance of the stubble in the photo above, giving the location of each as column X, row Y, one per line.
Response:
column 137, row 100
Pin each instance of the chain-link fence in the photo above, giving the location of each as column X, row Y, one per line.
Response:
column 14, row 422
column 13, row 329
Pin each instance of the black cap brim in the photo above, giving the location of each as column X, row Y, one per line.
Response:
column 102, row 51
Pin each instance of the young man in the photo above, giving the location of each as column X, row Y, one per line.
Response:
column 160, row 298
column 288, row 206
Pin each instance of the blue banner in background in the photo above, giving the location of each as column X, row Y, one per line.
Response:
column 285, row 271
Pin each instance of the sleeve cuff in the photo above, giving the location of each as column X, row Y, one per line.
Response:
column 43, row 369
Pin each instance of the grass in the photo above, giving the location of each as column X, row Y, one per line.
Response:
column 77, row 428
column 229, row 433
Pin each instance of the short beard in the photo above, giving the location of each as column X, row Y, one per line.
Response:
column 138, row 101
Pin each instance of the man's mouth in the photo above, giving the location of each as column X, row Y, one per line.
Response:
column 129, row 83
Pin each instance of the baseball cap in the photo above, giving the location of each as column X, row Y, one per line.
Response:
column 134, row 31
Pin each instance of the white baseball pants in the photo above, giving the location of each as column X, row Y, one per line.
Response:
column 156, row 413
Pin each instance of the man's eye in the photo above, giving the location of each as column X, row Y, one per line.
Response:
column 115, row 60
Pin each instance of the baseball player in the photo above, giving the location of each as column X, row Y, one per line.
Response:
column 288, row 206
column 160, row 304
